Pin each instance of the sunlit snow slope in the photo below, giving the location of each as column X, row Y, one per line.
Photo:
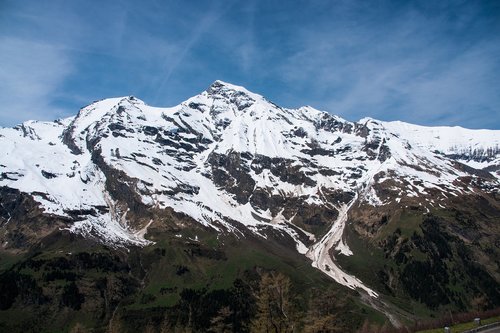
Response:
column 230, row 159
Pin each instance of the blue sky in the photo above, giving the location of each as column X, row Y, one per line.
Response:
column 425, row 62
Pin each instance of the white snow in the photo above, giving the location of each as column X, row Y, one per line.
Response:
column 450, row 140
column 321, row 258
column 164, row 151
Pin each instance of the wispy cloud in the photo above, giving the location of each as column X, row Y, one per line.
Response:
column 30, row 75
column 411, row 66
column 424, row 62
column 201, row 27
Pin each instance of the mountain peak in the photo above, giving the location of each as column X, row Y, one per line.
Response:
column 219, row 87
column 230, row 160
column 218, row 84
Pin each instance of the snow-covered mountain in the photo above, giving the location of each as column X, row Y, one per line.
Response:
column 233, row 161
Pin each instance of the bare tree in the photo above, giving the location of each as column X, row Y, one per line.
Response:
column 321, row 316
column 221, row 322
column 273, row 305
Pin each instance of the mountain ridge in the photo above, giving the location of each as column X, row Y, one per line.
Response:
column 230, row 159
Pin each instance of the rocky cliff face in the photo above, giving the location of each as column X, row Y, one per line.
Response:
column 237, row 163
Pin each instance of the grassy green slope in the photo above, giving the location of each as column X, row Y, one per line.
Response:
column 182, row 280
column 429, row 262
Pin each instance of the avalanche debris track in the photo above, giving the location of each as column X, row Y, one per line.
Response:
column 322, row 259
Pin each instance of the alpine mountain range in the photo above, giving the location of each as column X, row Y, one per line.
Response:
column 390, row 209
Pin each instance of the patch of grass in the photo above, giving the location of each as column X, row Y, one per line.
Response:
column 366, row 261
column 7, row 260
column 143, row 280
column 407, row 221
column 371, row 316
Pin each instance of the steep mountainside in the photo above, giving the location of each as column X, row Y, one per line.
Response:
column 406, row 199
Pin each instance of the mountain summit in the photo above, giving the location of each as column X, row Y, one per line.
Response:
column 236, row 163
